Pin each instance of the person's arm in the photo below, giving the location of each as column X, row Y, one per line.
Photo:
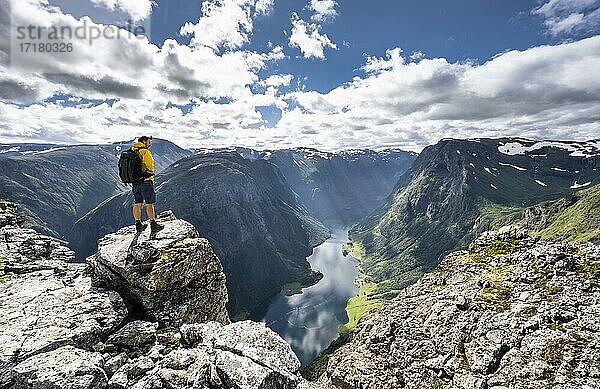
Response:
column 147, row 162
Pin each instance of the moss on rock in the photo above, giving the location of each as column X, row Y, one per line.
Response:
column 554, row 351
column 479, row 254
column 496, row 297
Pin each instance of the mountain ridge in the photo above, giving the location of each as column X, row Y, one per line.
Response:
column 454, row 191
column 55, row 185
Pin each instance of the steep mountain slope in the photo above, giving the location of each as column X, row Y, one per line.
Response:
column 512, row 311
column 243, row 207
column 55, row 185
column 457, row 189
column 341, row 188
column 573, row 218
column 337, row 188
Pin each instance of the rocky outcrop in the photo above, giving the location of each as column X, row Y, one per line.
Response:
column 512, row 312
column 46, row 302
column 59, row 329
column 173, row 277
column 239, row 355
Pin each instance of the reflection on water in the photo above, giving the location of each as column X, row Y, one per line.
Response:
column 310, row 321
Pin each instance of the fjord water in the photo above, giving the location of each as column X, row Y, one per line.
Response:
column 310, row 321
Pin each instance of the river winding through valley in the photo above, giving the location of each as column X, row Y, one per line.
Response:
column 309, row 321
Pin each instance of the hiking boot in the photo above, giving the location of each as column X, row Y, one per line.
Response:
column 139, row 227
column 155, row 227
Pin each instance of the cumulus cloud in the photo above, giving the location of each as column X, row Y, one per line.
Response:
column 225, row 23
column 129, row 67
column 142, row 82
column 324, row 10
column 542, row 92
column 564, row 17
column 308, row 38
column 277, row 80
column 136, row 9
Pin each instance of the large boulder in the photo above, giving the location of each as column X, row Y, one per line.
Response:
column 64, row 368
column 172, row 277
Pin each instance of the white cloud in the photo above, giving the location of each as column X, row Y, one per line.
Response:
column 277, row 80
column 308, row 38
column 543, row 92
column 324, row 10
column 129, row 67
column 565, row 17
column 136, row 9
column 225, row 23
column 142, row 77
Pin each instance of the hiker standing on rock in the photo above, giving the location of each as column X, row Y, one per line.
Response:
column 136, row 166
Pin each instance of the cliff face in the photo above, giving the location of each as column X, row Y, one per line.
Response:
column 147, row 312
column 512, row 311
column 172, row 278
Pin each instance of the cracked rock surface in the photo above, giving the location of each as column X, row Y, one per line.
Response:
column 46, row 302
column 244, row 355
column 512, row 312
column 173, row 277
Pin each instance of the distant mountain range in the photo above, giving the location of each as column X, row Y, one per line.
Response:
column 337, row 188
column 55, row 185
column 455, row 190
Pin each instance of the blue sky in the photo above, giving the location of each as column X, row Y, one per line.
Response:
column 271, row 74
column 457, row 30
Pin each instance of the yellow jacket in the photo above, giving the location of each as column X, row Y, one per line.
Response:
column 146, row 157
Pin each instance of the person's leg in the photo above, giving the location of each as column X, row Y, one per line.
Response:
column 150, row 212
column 137, row 212
column 150, row 197
column 137, row 208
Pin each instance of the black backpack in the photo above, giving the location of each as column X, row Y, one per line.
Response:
column 130, row 167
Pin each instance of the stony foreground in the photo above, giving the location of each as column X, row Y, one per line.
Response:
column 146, row 312
column 512, row 312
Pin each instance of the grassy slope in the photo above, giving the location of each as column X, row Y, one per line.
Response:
column 573, row 218
column 367, row 299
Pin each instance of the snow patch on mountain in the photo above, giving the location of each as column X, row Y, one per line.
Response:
column 575, row 149
column 576, row 185
column 513, row 166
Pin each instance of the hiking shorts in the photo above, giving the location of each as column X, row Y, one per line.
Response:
column 144, row 192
